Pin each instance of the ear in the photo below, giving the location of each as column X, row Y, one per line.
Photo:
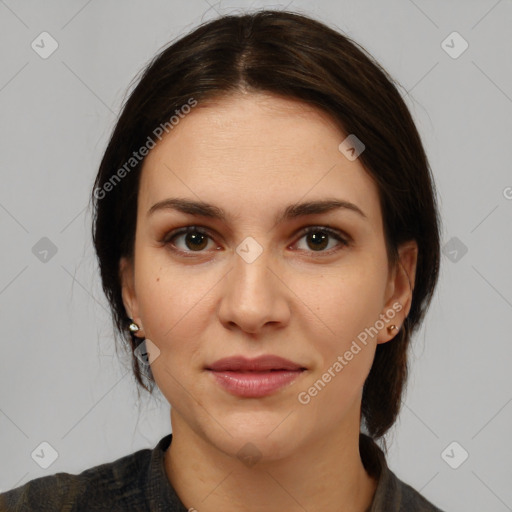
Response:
column 399, row 291
column 126, row 275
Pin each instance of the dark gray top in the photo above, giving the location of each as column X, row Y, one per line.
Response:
column 138, row 482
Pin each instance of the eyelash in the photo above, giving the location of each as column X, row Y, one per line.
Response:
column 334, row 233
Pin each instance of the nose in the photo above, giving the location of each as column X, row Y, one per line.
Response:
column 254, row 296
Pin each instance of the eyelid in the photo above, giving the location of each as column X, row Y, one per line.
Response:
column 168, row 236
column 166, row 240
column 335, row 232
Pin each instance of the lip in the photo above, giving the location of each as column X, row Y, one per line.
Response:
column 254, row 378
column 258, row 364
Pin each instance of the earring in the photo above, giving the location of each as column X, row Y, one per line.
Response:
column 133, row 327
column 392, row 328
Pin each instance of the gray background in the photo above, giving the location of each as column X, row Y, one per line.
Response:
column 61, row 380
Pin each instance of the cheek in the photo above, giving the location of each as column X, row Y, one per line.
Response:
column 347, row 307
column 349, row 300
column 164, row 294
column 348, row 303
column 173, row 306
column 173, row 309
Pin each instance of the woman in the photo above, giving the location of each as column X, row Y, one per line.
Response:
column 268, row 239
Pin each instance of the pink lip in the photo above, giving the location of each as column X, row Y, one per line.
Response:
column 254, row 378
column 258, row 364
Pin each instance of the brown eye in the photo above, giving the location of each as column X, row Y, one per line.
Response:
column 318, row 237
column 194, row 239
column 318, row 240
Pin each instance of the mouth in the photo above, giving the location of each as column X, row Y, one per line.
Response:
column 254, row 378
column 263, row 363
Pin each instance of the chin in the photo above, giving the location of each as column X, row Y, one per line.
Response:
column 258, row 437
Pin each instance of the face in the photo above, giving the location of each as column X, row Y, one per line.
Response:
column 252, row 282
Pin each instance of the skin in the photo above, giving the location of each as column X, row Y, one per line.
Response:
column 252, row 155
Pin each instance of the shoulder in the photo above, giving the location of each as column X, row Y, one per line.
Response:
column 117, row 485
column 412, row 500
column 392, row 494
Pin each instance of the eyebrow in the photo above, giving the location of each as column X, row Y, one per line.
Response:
column 292, row 211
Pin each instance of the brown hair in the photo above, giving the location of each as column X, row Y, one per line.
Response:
column 294, row 56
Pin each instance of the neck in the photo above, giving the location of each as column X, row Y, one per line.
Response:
column 321, row 475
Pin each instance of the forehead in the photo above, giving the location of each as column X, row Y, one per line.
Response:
column 252, row 152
